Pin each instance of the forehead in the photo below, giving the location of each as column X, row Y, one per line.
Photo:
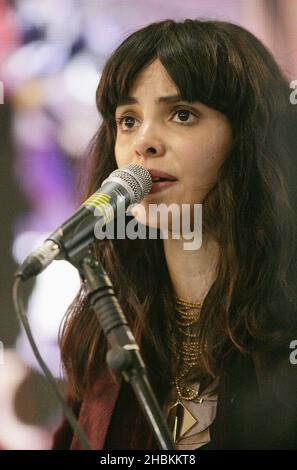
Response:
column 155, row 77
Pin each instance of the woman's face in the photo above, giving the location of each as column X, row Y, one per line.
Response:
column 187, row 140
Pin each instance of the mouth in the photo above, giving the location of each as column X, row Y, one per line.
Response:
column 158, row 176
column 161, row 180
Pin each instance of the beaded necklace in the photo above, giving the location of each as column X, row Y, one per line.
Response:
column 187, row 352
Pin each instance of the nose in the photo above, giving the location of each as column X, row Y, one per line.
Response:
column 148, row 147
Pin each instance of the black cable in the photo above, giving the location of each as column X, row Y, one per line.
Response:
column 20, row 310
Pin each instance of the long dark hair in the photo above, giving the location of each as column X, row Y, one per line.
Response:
column 251, row 211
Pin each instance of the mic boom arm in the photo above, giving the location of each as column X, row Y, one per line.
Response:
column 123, row 355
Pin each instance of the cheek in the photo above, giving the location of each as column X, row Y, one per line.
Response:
column 121, row 153
column 117, row 153
column 211, row 154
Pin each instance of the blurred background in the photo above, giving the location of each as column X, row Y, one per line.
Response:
column 51, row 56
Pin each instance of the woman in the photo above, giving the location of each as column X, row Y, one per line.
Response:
column 215, row 324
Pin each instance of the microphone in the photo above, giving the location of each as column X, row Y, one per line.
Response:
column 124, row 186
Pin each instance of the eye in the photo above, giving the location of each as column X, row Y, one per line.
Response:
column 184, row 116
column 126, row 122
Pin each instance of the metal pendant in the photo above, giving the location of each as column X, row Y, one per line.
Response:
column 180, row 420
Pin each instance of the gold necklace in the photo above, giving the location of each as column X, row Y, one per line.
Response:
column 189, row 351
column 180, row 420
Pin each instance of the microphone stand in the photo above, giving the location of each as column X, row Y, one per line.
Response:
column 123, row 355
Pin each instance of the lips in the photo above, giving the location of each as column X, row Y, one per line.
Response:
column 160, row 176
column 161, row 180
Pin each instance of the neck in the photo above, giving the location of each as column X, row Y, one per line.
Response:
column 192, row 272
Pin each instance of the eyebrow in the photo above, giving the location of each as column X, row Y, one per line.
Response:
column 161, row 99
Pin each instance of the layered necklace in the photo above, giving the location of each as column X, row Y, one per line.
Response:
column 187, row 350
column 188, row 353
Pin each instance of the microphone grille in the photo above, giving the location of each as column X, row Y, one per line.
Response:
column 136, row 177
